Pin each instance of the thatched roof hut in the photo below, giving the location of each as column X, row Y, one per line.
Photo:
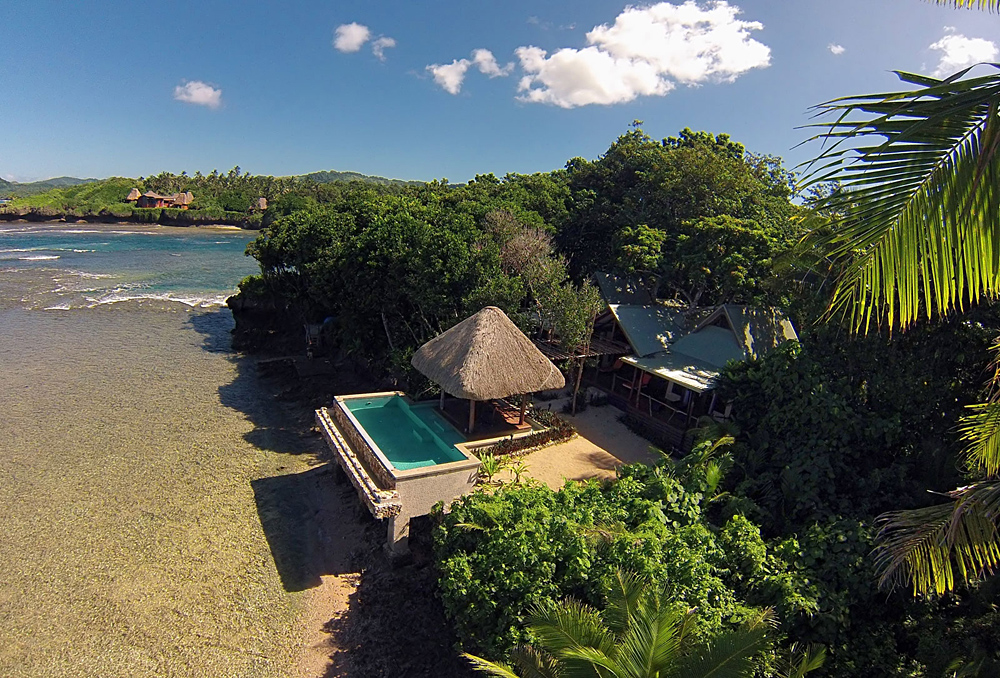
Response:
column 484, row 357
column 133, row 195
column 262, row 204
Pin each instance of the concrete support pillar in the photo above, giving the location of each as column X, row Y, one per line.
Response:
column 398, row 536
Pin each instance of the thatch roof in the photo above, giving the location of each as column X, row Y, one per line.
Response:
column 262, row 204
column 485, row 357
column 183, row 198
column 133, row 195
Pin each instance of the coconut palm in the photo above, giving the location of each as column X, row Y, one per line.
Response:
column 637, row 635
column 914, row 228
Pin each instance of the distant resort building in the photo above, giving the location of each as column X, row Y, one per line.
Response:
column 659, row 362
column 150, row 199
column 262, row 204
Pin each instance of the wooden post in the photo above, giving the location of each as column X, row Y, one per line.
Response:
column 638, row 390
column 441, row 404
column 524, row 406
column 472, row 416
column 579, row 378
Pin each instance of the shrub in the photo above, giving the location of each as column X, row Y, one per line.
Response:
column 558, row 429
column 500, row 553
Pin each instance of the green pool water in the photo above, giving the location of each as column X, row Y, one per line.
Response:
column 410, row 435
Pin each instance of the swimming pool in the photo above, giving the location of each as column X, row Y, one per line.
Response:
column 410, row 435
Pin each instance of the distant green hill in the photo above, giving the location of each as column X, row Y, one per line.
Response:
column 328, row 176
column 16, row 189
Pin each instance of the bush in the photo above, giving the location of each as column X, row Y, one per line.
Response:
column 500, row 553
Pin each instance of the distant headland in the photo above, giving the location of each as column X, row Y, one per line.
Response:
column 234, row 198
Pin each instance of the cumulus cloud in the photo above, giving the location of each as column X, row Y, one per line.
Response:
column 645, row 52
column 380, row 45
column 350, row 37
column 198, row 93
column 958, row 52
column 487, row 64
column 451, row 76
column 836, row 49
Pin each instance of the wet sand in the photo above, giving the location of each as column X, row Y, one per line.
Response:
column 159, row 513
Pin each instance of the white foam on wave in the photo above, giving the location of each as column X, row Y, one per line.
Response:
column 39, row 257
column 58, row 307
column 192, row 301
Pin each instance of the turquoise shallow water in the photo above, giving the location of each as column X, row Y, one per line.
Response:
column 147, row 476
column 64, row 266
column 410, row 436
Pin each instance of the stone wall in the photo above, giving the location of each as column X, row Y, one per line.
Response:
column 361, row 447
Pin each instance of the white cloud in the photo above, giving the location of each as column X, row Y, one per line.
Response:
column 645, row 52
column 380, row 45
column 836, row 49
column 958, row 52
column 198, row 93
column 350, row 37
column 572, row 77
column 487, row 64
column 451, row 76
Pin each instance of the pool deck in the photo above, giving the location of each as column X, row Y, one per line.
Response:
column 601, row 446
column 490, row 422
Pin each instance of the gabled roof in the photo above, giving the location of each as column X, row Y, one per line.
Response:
column 649, row 329
column 711, row 345
column 618, row 289
column 684, row 370
column 694, row 359
column 758, row 330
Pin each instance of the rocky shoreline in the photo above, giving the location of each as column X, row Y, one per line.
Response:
column 152, row 216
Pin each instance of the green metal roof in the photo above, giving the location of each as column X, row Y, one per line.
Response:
column 685, row 370
column 649, row 329
column 713, row 345
column 618, row 289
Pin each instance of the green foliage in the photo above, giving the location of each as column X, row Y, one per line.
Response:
column 558, row 430
column 504, row 553
column 639, row 634
column 644, row 205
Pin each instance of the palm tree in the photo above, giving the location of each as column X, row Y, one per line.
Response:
column 637, row 635
column 914, row 228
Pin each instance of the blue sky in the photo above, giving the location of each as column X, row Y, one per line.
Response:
column 116, row 88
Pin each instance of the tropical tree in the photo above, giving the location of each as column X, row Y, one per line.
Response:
column 914, row 230
column 637, row 635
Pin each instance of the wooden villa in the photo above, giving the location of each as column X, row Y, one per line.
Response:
column 149, row 199
column 666, row 381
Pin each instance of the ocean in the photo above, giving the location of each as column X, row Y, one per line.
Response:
column 63, row 266
column 148, row 478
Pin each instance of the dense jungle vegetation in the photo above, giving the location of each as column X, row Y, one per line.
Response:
column 219, row 198
column 831, row 431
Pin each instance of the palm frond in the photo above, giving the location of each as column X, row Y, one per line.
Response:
column 534, row 663
column 916, row 220
column 986, row 5
column 938, row 546
column 623, row 594
column 729, row 655
column 805, row 661
column 569, row 625
column 489, row 668
column 653, row 642
column 980, row 431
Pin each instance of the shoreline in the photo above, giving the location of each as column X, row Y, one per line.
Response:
column 105, row 223
column 21, row 216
